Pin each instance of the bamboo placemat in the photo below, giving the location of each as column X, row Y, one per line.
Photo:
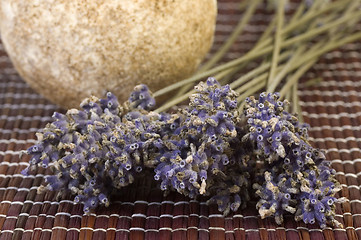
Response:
column 332, row 108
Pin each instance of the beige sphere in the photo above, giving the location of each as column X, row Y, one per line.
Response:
column 68, row 50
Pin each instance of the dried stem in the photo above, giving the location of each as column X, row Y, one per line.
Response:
column 277, row 41
column 287, row 55
column 235, row 34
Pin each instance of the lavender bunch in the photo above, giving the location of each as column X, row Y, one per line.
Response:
column 295, row 177
column 206, row 148
column 98, row 149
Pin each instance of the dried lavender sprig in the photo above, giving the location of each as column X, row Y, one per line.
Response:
column 295, row 176
column 232, row 191
column 200, row 148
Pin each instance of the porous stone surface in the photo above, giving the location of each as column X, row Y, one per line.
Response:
column 68, row 50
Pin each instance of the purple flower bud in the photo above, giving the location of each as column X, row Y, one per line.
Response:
column 25, row 171
column 203, row 175
column 141, row 98
column 225, row 160
column 103, row 198
column 237, row 202
column 79, row 198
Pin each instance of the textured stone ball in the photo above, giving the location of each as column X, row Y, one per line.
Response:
column 68, row 50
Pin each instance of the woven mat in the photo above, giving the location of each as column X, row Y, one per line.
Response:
column 332, row 108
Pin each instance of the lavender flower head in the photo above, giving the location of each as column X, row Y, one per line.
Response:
column 141, row 98
column 202, row 151
column 296, row 177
